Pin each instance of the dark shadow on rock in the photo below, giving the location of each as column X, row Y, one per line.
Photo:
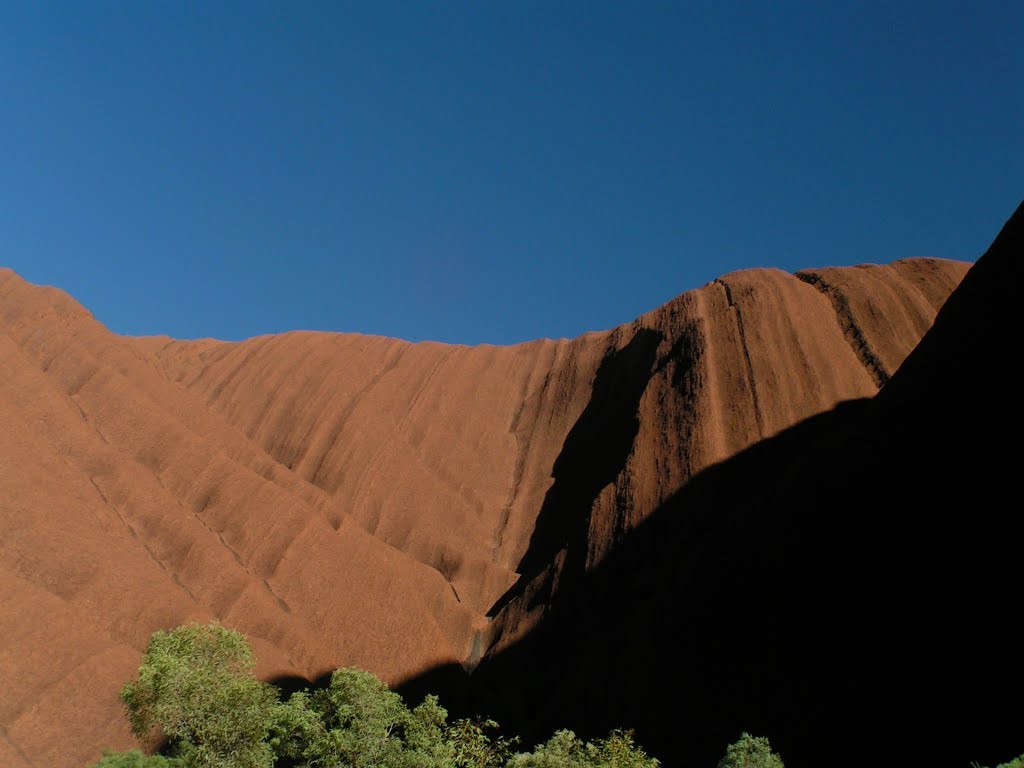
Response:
column 569, row 673
column 846, row 588
column 778, row 596
column 289, row 684
column 594, row 453
column 451, row 679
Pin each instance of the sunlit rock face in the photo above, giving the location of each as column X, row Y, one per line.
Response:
column 355, row 500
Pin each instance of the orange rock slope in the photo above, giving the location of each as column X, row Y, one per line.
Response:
column 347, row 499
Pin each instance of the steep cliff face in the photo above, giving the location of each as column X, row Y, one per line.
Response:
column 346, row 499
column 844, row 586
column 702, row 378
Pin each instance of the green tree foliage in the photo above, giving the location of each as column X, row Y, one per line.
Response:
column 426, row 734
column 196, row 687
column 563, row 750
column 134, row 759
column 297, row 724
column 1017, row 762
column 468, row 745
column 750, row 752
column 357, row 722
column 620, row 751
column 566, row 750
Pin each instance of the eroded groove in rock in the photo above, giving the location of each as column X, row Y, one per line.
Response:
column 851, row 330
column 864, row 547
column 748, row 366
column 348, row 499
column 884, row 310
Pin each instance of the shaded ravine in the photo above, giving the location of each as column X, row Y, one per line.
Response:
column 602, row 450
column 845, row 587
column 592, row 457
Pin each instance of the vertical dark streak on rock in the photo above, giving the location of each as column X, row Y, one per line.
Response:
column 746, row 357
column 851, row 331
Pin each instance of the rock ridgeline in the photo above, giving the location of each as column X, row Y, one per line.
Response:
column 845, row 586
column 358, row 500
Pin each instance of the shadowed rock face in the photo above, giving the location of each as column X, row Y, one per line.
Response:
column 356, row 500
column 845, row 586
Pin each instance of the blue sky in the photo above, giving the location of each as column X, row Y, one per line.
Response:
column 489, row 171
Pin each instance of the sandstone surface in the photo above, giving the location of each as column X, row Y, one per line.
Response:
column 358, row 500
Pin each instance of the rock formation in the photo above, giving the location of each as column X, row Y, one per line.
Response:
column 845, row 586
column 357, row 500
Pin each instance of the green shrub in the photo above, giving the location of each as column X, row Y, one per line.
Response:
column 566, row 750
column 468, row 745
column 620, row 751
column 1017, row 762
column 563, row 750
column 134, row 759
column 359, row 722
column 750, row 752
column 196, row 687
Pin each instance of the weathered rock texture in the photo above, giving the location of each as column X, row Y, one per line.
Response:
column 846, row 586
column 347, row 499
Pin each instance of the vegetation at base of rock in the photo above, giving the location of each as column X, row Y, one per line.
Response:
column 197, row 695
column 135, row 758
column 750, row 752
column 566, row 750
column 1017, row 762
column 196, row 687
column 357, row 721
column 196, row 692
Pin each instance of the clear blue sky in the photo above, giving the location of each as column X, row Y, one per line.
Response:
column 489, row 171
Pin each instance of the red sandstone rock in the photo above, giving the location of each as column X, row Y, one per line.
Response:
column 346, row 499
